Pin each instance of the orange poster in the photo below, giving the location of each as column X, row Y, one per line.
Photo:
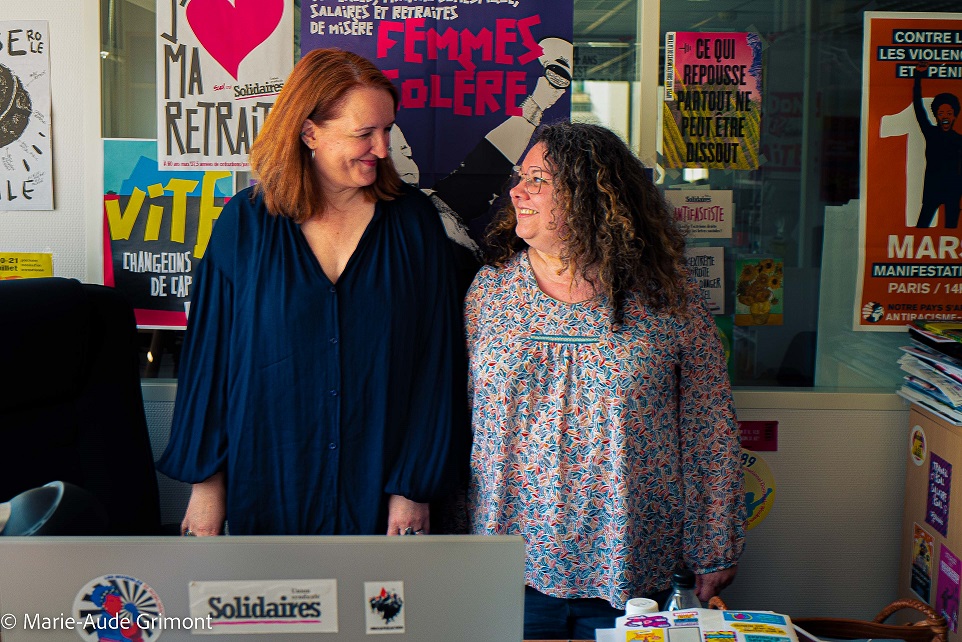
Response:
column 911, row 181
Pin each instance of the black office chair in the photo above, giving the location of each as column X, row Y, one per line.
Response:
column 57, row 508
column 71, row 407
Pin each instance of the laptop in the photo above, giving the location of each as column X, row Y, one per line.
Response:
column 433, row 588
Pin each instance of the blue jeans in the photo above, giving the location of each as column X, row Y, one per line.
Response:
column 558, row 618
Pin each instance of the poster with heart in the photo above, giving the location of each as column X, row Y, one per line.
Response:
column 475, row 81
column 220, row 66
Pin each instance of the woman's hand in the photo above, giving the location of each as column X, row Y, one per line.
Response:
column 710, row 584
column 403, row 514
column 207, row 508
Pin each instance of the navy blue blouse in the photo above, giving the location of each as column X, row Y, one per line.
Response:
column 321, row 400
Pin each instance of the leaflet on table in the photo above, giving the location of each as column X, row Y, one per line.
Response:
column 941, row 362
column 947, row 389
column 945, row 412
column 702, row 625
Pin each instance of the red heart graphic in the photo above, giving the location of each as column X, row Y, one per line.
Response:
column 231, row 31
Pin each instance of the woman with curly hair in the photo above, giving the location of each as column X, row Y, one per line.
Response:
column 604, row 429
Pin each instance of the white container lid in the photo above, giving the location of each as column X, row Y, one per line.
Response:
column 640, row 606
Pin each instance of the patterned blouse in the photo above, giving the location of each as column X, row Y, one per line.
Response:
column 615, row 454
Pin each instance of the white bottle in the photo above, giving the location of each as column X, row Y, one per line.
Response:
column 634, row 609
column 640, row 605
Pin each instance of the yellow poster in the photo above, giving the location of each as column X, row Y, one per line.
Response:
column 25, row 265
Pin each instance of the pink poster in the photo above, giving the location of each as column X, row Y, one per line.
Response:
column 947, row 591
column 712, row 113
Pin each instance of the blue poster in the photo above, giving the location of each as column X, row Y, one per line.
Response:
column 476, row 77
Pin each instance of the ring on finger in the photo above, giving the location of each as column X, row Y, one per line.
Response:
column 408, row 531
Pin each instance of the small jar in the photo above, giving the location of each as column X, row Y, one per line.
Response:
column 640, row 606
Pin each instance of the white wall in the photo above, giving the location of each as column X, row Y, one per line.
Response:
column 830, row 545
column 71, row 231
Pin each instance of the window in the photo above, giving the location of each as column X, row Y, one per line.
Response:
column 800, row 205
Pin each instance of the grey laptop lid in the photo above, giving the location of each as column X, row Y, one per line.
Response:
column 262, row 589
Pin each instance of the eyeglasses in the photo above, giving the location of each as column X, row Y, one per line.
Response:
column 533, row 180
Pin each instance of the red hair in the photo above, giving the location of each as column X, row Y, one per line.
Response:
column 316, row 89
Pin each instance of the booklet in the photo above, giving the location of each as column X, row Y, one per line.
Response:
column 942, row 387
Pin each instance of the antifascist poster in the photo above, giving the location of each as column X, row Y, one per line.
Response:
column 703, row 213
column 220, row 66
column 911, row 180
column 156, row 227
column 26, row 164
column 713, row 100
column 475, row 80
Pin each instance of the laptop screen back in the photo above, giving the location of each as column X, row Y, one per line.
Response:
column 343, row 589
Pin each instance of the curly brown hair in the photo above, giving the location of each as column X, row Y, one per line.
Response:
column 618, row 231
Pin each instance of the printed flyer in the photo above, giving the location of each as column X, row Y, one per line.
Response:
column 940, row 486
column 26, row 162
column 703, row 213
column 911, row 176
column 220, row 66
column 156, row 227
column 25, row 265
column 713, row 100
column 923, row 546
column 707, row 265
column 947, row 600
column 475, row 80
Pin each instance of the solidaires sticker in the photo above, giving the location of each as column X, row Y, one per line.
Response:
column 266, row 606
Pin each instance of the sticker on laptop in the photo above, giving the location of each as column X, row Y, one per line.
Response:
column 685, row 618
column 645, row 635
column 118, row 607
column 762, row 629
column 266, row 606
column 754, row 616
column 384, row 607
column 719, row 636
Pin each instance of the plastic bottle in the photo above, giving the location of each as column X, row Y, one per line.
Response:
column 682, row 591
column 640, row 606
column 635, row 610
